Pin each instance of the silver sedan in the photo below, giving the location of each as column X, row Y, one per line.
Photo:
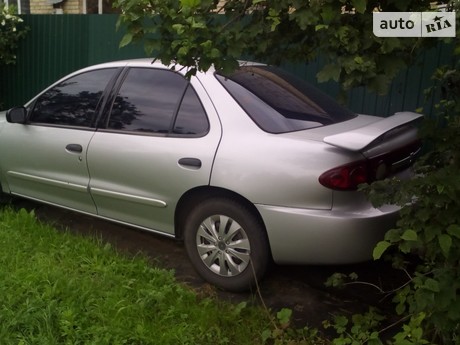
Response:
column 245, row 168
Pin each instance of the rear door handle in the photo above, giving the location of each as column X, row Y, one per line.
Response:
column 193, row 163
column 74, row 148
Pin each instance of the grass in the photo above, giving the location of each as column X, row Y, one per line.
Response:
column 60, row 288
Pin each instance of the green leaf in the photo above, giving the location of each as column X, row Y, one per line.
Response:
column 150, row 46
column 392, row 235
column 445, row 242
column 239, row 307
column 400, row 308
column 198, row 25
column 341, row 321
column 358, row 59
column 374, row 339
column 380, row 248
column 409, row 235
column 328, row 14
column 266, row 334
column 388, row 45
column 127, row 38
column 179, row 28
column 330, row 71
column 432, row 285
column 183, row 51
column 190, row 3
column 284, row 315
column 359, row 5
column 321, row 27
column 454, row 230
column 215, row 53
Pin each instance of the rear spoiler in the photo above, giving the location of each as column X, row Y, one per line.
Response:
column 358, row 139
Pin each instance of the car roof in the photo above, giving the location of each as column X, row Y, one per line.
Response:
column 151, row 62
column 143, row 62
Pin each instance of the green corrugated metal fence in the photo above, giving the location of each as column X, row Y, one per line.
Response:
column 59, row 44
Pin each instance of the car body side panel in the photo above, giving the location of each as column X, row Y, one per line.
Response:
column 303, row 236
column 43, row 169
column 265, row 168
column 143, row 188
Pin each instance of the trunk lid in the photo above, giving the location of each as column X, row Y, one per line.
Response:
column 363, row 137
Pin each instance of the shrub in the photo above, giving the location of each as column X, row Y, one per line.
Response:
column 11, row 32
column 425, row 244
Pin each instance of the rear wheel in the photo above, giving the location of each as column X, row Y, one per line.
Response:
column 226, row 244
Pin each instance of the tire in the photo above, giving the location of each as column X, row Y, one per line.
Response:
column 233, row 256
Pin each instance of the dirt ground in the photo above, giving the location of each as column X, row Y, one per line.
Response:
column 300, row 288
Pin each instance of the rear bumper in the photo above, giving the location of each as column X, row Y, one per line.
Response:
column 304, row 236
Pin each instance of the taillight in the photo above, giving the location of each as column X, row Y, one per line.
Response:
column 346, row 177
column 351, row 175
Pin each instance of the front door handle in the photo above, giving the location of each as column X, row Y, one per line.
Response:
column 74, row 148
column 193, row 163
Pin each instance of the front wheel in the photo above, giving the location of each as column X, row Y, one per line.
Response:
column 226, row 244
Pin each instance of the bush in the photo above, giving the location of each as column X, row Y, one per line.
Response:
column 425, row 244
column 11, row 32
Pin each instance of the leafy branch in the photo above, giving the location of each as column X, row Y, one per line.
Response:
column 201, row 33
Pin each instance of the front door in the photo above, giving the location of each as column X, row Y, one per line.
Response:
column 45, row 159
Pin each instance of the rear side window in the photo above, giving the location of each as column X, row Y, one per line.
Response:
column 157, row 101
column 191, row 118
column 74, row 101
column 279, row 102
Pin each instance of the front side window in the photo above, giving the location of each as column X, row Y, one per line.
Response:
column 157, row 101
column 278, row 102
column 72, row 102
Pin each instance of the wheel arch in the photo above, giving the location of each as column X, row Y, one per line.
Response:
column 196, row 195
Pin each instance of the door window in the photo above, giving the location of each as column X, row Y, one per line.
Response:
column 72, row 102
column 191, row 118
column 157, row 101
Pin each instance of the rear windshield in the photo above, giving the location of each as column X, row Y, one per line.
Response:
column 279, row 102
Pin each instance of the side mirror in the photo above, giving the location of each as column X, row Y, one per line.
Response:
column 17, row 115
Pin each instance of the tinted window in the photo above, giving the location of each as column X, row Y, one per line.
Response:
column 191, row 118
column 279, row 102
column 147, row 101
column 72, row 102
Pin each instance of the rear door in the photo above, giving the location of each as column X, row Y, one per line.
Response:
column 159, row 141
column 45, row 159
